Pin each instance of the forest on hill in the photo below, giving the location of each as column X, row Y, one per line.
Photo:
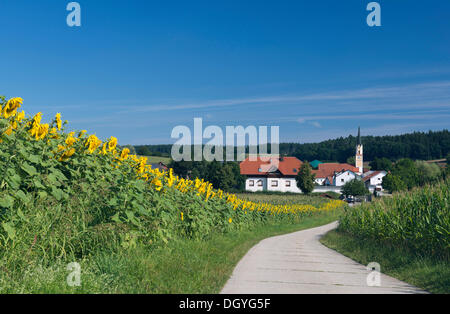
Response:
column 417, row 145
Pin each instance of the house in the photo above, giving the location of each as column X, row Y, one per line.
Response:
column 326, row 172
column 341, row 178
column 271, row 174
column 278, row 173
column 373, row 180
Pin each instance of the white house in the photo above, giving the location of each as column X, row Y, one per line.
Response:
column 343, row 177
column 326, row 172
column 373, row 180
column 271, row 174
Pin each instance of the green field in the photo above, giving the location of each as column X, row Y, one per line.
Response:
column 283, row 198
column 157, row 159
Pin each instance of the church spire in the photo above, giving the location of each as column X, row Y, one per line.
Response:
column 359, row 153
column 359, row 135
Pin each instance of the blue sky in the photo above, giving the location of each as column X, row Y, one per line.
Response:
column 136, row 69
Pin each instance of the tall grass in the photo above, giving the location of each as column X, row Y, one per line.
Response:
column 418, row 220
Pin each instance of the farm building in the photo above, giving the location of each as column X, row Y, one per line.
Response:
column 271, row 174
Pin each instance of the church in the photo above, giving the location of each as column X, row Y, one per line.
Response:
column 278, row 173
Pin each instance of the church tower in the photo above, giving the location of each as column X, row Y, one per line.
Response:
column 359, row 153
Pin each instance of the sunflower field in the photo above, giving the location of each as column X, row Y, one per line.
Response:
column 66, row 194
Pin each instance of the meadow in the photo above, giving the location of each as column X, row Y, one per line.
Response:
column 284, row 198
column 71, row 197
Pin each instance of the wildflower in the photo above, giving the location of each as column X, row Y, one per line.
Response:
column 66, row 155
column 53, row 133
column 182, row 216
column 230, row 220
column 20, row 116
column 104, row 151
column 11, row 107
column 37, row 118
column 70, row 140
column 92, row 143
column 157, row 182
column 58, row 121
column 39, row 131
column 8, row 131
column 124, row 154
column 112, row 143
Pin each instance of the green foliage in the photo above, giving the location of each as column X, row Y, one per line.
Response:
column 283, row 198
column 418, row 219
column 354, row 188
column 225, row 176
column 406, row 169
column 351, row 160
column 305, row 178
column 381, row 164
column 393, row 183
column 427, row 172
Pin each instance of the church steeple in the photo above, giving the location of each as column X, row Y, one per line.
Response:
column 359, row 135
column 359, row 153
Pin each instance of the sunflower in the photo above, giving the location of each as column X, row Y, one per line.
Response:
column 112, row 143
column 58, row 121
column 11, row 107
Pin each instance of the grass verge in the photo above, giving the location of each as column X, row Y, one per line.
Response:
column 183, row 266
column 428, row 273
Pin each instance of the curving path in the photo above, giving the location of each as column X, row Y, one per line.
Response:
column 299, row 263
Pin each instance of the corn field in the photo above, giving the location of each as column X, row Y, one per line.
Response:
column 418, row 219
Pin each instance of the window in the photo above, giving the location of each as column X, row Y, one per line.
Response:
column 288, row 183
column 260, row 183
column 342, row 180
column 274, row 183
column 251, row 183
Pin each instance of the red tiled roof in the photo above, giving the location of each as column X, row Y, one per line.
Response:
column 288, row 166
column 328, row 169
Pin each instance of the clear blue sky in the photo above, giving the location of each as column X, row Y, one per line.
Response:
column 136, row 69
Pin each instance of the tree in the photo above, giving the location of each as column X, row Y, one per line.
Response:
column 447, row 167
column 305, row 178
column 381, row 164
column 407, row 171
column 354, row 188
column 393, row 183
column 351, row 160
column 428, row 172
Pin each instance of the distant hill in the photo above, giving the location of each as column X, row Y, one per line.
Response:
column 417, row 145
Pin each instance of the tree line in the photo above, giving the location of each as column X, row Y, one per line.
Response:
column 223, row 175
column 416, row 146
